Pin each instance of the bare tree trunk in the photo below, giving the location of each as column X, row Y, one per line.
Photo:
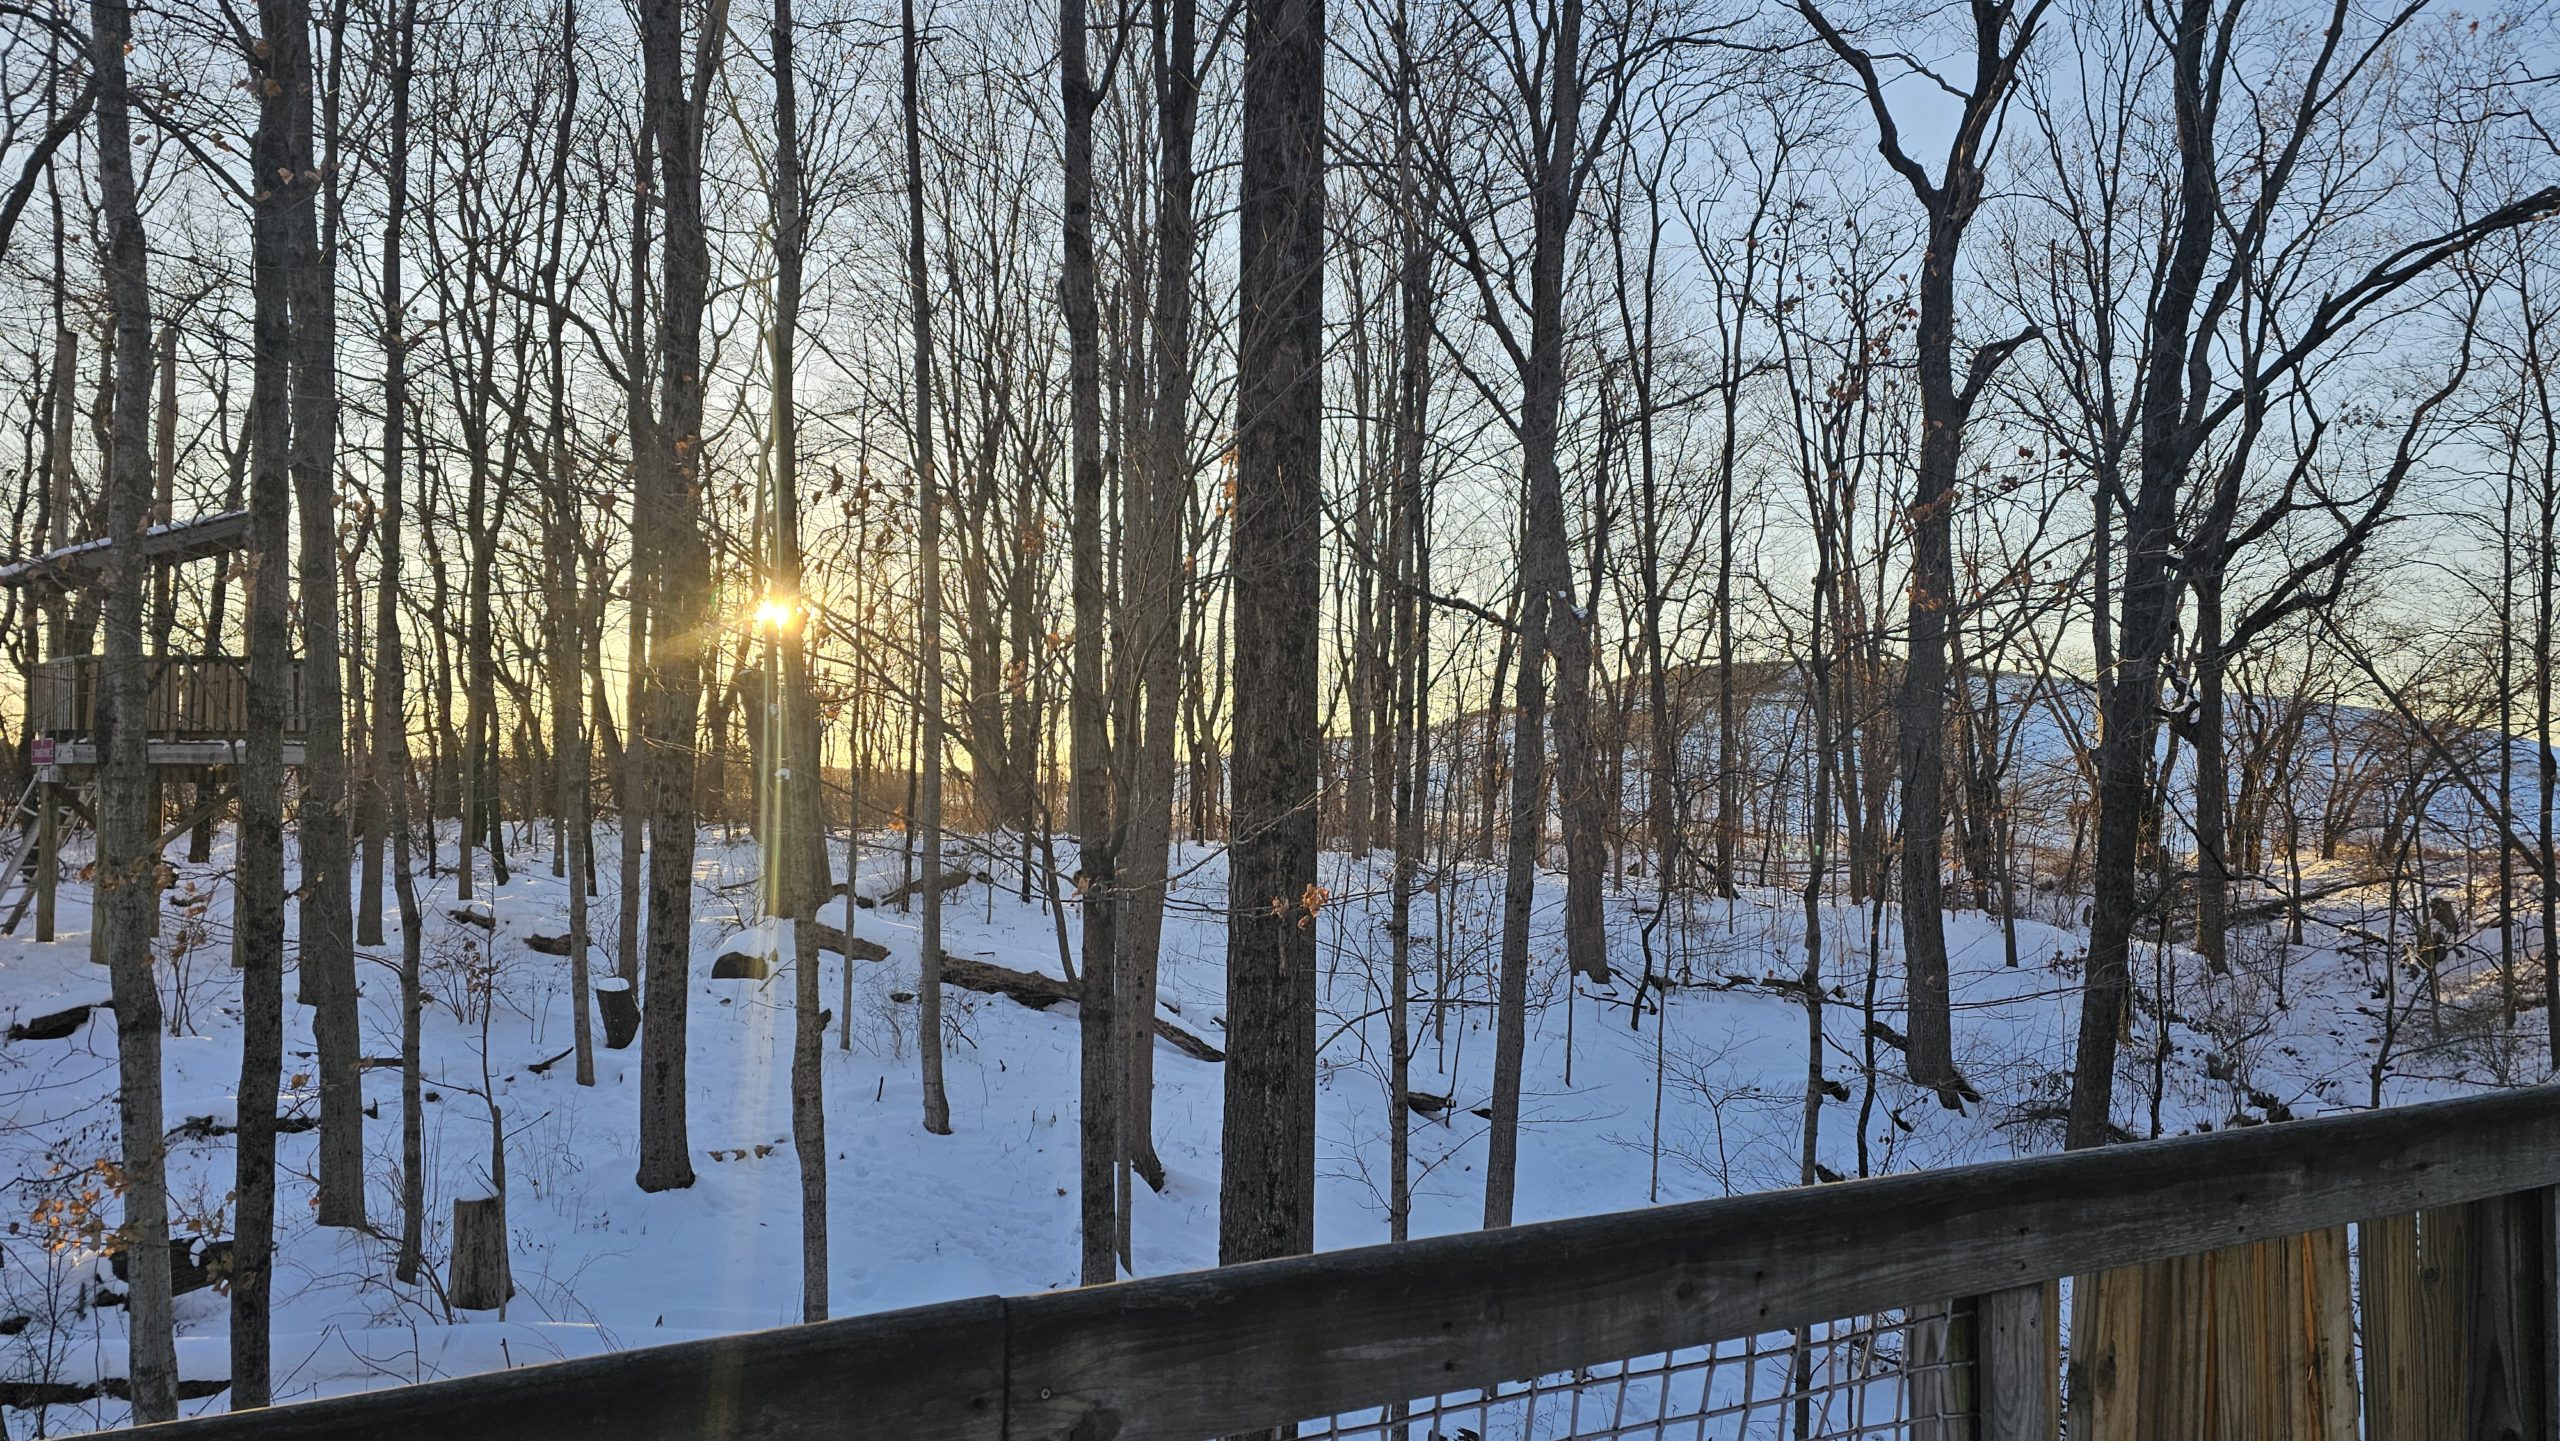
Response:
column 645, row 467
column 802, row 833
column 127, row 889
column 682, row 588
column 1155, row 623
column 387, row 790
column 327, row 942
column 1411, row 557
column 1097, row 999
column 937, row 1105
column 284, row 69
column 1267, row 1146
column 2213, row 869
column 569, row 746
column 2001, row 35
column 1550, row 621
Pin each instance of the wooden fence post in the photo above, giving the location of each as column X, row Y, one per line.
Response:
column 2510, row 1380
column 2546, row 1213
column 2016, row 1364
column 48, row 855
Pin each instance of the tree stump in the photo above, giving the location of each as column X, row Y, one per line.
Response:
column 621, row 1008
column 478, row 1279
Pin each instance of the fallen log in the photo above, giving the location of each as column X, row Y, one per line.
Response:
column 194, row 1263
column 1029, row 988
column 27, row 1395
column 949, row 880
column 206, row 1128
column 861, row 948
column 58, row 1025
column 756, row 965
column 1040, row 992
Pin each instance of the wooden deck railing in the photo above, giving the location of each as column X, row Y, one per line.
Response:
column 2210, row 1301
column 192, row 697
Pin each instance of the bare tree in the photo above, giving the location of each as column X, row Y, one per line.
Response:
column 937, row 1106
column 327, row 960
column 128, row 883
column 2182, row 409
column 679, row 558
column 1091, row 806
column 802, row 833
column 282, row 67
column 2002, row 32
column 1267, row 1144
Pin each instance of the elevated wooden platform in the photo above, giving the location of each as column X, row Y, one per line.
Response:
column 198, row 712
column 173, row 753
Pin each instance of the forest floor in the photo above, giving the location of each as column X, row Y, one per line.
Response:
column 1622, row 1107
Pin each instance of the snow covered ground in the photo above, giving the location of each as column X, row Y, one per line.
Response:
column 1622, row 1107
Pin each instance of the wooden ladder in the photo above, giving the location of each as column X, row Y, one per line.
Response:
column 17, row 886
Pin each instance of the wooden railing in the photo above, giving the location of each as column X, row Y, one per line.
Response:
column 2192, row 1256
column 191, row 697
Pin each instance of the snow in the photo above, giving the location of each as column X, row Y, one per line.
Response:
column 916, row 1218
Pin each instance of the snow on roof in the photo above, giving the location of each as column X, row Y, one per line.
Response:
column 172, row 543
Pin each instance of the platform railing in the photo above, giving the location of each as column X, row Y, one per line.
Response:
column 191, row 697
column 2385, row 1273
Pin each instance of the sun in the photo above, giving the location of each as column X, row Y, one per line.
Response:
column 777, row 613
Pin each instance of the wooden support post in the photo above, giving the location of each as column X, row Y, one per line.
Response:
column 200, row 836
column 2509, row 1382
column 48, row 854
column 2546, row 1212
column 2017, row 1368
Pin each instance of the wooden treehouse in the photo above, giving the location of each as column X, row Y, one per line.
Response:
column 196, row 717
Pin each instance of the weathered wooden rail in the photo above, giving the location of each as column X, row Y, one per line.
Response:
column 190, row 696
column 2207, row 1303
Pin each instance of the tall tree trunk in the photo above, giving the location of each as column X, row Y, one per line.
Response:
column 1097, row 1004
column 1411, row 557
column 2129, row 706
column 937, row 1105
column 127, row 890
column 1920, row 727
column 641, row 419
column 1267, row 1149
column 283, row 70
column 2001, row 35
column 682, row 588
column 569, row 746
column 1162, row 506
column 327, row 950
column 802, row 836
column 1550, row 622
column 388, row 791
column 2213, row 868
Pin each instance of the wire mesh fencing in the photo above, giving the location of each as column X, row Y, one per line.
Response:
column 1885, row 1377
